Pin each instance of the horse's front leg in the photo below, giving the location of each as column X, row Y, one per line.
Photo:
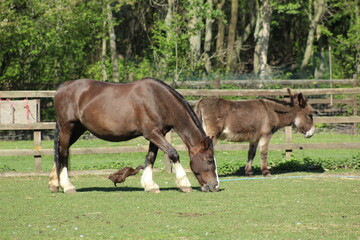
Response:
column 147, row 181
column 251, row 155
column 263, row 145
column 182, row 180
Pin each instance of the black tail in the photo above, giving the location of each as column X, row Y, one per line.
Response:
column 57, row 149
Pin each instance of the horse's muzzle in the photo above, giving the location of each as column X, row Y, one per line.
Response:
column 210, row 187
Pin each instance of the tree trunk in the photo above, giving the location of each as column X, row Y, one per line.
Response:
column 262, row 38
column 357, row 21
column 231, row 56
column 220, row 37
column 247, row 30
column 208, row 38
column 103, row 56
column 114, row 59
column 316, row 9
column 195, row 32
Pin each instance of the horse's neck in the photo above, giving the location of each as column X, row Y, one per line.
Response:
column 285, row 113
column 190, row 133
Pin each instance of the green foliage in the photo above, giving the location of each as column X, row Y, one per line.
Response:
column 6, row 168
column 296, row 165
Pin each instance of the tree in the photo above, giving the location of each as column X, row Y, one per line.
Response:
column 195, row 22
column 315, row 11
column 262, row 35
column 220, row 52
column 114, row 58
column 231, row 53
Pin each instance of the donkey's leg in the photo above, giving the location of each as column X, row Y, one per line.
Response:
column 181, row 179
column 251, row 155
column 147, row 181
column 263, row 145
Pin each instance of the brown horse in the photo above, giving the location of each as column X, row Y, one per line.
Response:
column 120, row 112
column 254, row 121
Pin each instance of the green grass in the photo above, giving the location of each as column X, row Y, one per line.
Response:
column 234, row 159
column 284, row 208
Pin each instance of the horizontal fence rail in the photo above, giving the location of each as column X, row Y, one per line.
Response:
column 38, row 126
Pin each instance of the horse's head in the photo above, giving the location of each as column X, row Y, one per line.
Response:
column 304, row 121
column 203, row 164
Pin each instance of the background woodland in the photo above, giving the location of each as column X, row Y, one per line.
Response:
column 46, row 42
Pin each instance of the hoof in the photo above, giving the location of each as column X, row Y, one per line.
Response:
column 154, row 190
column 54, row 189
column 267, row 174
column 249, row 174
column 186, row 189
column 71, row 190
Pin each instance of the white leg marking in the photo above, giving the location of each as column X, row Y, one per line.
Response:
column 65, row 181
column 147, row 181
column 181, row 178
column 217, row 176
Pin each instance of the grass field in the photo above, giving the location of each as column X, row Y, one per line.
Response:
column 264, row 208
column 283, row 207
column 106, row 161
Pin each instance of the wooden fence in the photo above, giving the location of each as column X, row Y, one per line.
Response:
column 288, row 146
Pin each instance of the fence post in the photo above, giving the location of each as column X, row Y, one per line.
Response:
column 37, row 145
column 168, row 165
column 288, row 139
column 355, row 103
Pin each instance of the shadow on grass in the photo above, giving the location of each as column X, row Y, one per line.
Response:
column 282, row 168
column 127, row 189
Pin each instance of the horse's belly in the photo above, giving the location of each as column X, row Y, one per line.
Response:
column 116, row 132
column 117, row 138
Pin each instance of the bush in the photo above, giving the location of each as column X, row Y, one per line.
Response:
column 295, row 165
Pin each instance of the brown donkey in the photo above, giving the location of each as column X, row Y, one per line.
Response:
column 254, row 121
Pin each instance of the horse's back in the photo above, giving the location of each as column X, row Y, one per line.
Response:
column 115, row 111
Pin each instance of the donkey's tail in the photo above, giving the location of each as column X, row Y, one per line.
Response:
column 57, row 149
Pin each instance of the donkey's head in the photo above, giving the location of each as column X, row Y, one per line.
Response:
column 303, row 121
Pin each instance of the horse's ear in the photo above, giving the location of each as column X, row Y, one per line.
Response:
column 291, row 97
column 302, row 100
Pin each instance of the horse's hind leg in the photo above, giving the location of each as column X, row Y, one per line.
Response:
column 251, row 155
column 67, row 135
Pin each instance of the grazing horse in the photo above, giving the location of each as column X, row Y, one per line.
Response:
column 120, row 112
column 254, row 121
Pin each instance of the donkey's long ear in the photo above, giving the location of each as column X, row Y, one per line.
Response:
column 302, row 100
column 291, row 97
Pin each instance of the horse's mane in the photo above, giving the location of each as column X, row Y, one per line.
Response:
column 181, row 99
